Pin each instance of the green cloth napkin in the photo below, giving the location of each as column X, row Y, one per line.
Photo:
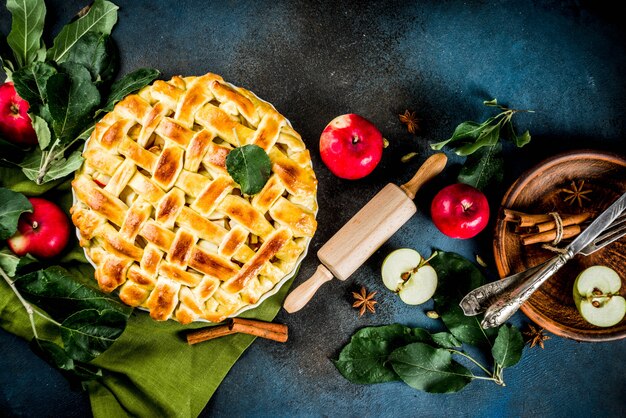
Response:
column 151, row 370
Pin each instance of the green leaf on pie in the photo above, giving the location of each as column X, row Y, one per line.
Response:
column 101, row 18
column 250, row 167
column 26, row 29
column 429, row 369
column 13, row 205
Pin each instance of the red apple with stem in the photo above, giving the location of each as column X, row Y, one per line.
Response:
column 460, row 211
column 351, row 146
column 44, row 233
column 15, row 124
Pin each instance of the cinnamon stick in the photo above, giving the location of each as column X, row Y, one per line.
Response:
column 567, row 220
column 525, row 219
column 206, row 334
column 269, row 330
column 549, row 236
column 275, row 332
column 270, row 326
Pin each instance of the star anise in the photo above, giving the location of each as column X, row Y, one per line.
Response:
column 410, row 120
column 576, row 194
column 364, row 300
column 535, row 336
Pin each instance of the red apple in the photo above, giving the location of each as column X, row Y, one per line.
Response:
column 351, row 146
column 15, row 124
column 43, row 233
column 460, row 211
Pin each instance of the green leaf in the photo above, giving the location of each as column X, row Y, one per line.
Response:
column 507, row 349
column 56, row 356
column 484, row 169
column 26, row 29
column 456, row 277
column 53, row 354
column 31, row 164
column 14, row 179
column 42, row 130
column 491, row 103
column 466, row 131
column 64, row 166
column 128, row 84
column 30, row 83
column 522, row 140
column 72, row 98
column 96, row 52
column 88, row 333
column 101, row 17
column 250, row 167
column 11, row 264
column 488, row 136
column 446, row 340
column 61, row 294
column 364, row 359
column 429, row 369
column 13, row 205
column 8, row 262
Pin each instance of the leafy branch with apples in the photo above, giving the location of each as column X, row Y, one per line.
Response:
column 49, row 104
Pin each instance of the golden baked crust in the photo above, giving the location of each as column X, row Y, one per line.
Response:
column 162, row 219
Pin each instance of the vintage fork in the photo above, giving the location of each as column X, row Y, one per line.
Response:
column 479, row 299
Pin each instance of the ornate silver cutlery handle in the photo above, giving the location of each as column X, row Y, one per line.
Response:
column 506, row 305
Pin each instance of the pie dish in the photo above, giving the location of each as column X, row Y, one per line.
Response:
column 162, row 220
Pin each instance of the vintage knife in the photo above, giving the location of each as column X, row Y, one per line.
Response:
column 506, row 305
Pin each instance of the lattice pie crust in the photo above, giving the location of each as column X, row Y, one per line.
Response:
column 162, row 219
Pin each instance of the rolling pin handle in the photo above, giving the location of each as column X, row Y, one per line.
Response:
column 302, row 294
column 431, row 167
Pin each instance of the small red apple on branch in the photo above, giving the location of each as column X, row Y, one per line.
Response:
column 15, row 124
column 460, row 211
column 351, row 146
column 44, row 233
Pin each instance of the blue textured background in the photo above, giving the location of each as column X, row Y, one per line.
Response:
column 316, row 60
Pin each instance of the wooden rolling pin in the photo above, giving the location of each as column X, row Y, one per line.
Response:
column 374, row 224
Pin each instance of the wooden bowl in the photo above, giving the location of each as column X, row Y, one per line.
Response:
column 540, row 191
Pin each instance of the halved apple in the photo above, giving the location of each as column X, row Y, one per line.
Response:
column 596, row 294
column 406, row 273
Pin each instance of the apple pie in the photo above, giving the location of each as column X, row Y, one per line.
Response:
column 162, row 220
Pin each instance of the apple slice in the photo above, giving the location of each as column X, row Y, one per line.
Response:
column 596, row 294
column 406, row 273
